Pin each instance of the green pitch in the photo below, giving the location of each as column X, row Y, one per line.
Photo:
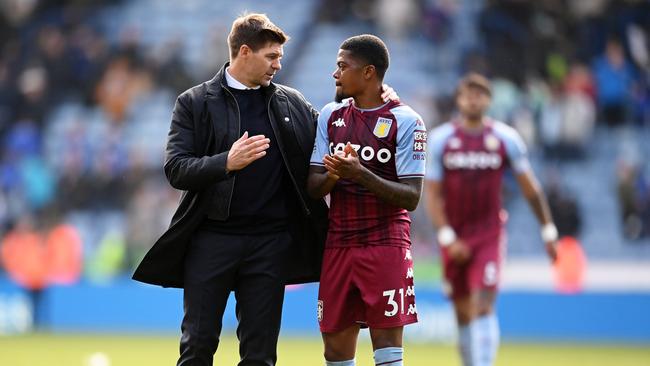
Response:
column 73, row 350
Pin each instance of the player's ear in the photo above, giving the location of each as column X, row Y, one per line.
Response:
column 244, row 50
column 369, row 71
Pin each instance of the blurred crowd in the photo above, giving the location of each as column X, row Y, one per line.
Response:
column 81, row 147
column 68, row 98
column 563, row 69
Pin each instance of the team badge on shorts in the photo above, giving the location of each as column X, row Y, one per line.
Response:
column 320, row 310
column 382, row 127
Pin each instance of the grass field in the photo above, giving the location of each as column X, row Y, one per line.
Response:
column 72, row 350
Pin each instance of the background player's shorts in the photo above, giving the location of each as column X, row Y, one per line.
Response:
column 483, row 270
column 371, row 285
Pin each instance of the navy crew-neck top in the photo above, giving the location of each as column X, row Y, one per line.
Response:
column 259, row 202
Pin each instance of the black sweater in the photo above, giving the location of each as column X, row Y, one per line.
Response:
column 258, row 203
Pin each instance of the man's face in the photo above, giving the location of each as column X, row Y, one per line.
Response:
column 349, row 76
column 261, row 65
column 472, row 102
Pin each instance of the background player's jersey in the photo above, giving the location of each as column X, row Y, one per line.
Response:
column 391, row 142
column 470, row 165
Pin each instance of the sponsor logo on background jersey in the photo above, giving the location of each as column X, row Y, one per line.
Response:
column 339, row 123
column 454, row 143
column 472, row 160
column 382, row 127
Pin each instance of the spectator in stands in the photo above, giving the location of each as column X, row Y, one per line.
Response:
column 634, row 201
column 122, row 82
column 615, row 79
column 504, row 26
column 397, row 19
column 437, row 20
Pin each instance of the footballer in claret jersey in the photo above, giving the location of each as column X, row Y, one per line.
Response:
column 369, row 155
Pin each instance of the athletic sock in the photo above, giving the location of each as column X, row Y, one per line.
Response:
column 340, row 363
column 467, row 344
column 487, row 330
column 389, row 356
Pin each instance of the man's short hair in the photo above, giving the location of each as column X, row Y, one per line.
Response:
column 255, row 31
column 371, row 49
column 475, row 80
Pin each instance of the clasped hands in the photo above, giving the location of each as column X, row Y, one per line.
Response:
column 343, row 164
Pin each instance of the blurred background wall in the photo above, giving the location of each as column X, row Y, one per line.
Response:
column 87, row 88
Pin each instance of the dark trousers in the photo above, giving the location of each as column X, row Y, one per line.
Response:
column 253, row 267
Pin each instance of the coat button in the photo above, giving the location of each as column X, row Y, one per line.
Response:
column 286, row 119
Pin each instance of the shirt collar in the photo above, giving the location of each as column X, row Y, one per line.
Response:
column 370, row 109
column 235, row 84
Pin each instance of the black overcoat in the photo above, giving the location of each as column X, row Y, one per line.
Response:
column 205, row 123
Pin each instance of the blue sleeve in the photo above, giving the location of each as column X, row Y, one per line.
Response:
column 410, row 152
column 437, row 140
column 321, row 144
column 515, row 148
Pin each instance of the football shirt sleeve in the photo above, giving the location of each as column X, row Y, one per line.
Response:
column 515, row 148
column 436, row 142
column 411, row 146
column 321, row 144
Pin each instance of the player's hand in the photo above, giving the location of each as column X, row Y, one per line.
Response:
column 246, row 150
column 346, row 165
column 459, row 252
column 388, row 93
column 330, row 174
column 551, row 250
column 332, row 164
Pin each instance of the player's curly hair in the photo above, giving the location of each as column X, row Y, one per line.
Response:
column 254, row 30
column 371, row 49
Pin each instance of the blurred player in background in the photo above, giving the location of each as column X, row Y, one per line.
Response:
column 369, row 155
column 466, row 161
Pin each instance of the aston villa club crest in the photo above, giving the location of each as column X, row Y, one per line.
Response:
column 491, row 142
column 382, row 127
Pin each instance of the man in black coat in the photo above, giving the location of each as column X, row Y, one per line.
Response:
column 239, row 148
